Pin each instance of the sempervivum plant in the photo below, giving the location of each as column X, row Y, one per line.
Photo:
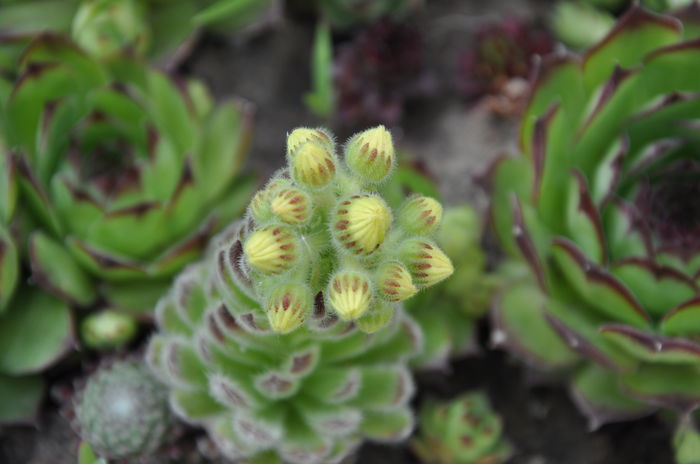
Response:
column 447, row 313
column 462, row 431
column 127, row 173
column 113, row 177
column 289, row 343
column 601, row 212
column 378, row 71
column 122, row 411
column 498, row 62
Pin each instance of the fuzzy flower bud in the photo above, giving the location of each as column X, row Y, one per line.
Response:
column 301, row 135
column 312, row 165
column 272, row 249
column 292, row 206
column 376, row 318
column 361, row 223
column 260, row 208
column 394, row 282
column 287, row 307
column 350, row 294
column 108, row 329
column 427, row 264
column 420, row 215
column 370, row 154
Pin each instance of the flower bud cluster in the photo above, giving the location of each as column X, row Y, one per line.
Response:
column 321, row 236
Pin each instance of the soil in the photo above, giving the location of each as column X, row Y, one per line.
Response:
column 269, row 70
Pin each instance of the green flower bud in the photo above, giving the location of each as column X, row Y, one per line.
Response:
column 108, row 329
column 301, row 135
column 394, row 282
column 293, row 206
column 370, row 154
column 427, row 264
column 312, row 165
column 361, row 223
column 287, row 307
column 376, row 318
column 104, row 27
column 350, row 294
column 260, row 208
column 272, row 249
column 420, row 215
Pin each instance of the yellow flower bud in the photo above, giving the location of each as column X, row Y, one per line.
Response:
column 260, row 207
column 350, row 294
column 394, row 282
column 312, row 165
column 301, row 135
column 427, row 264
column 370, row 154
column 361, row 223
column 420, row 215
column 287, row 307
column 376, row 318
column 292, row 206
column 272, row 249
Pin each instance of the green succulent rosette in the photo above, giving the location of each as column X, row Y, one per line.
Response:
column 114, row 177
column 288, row 343
column 126, row 172
column 599, row 218
column 122, row 411
column 462, row 431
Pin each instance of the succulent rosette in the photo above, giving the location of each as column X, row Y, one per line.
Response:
column 501, row 51
column 289, row 342
column 113, row 177
column 599, row 216
column 126, row 172
column 122, row 411
column 378, row 71
column 465, row 430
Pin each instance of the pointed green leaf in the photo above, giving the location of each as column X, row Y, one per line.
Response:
column 597, row 392
column 520, row 324
column 57, row 271
column 683, row 320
